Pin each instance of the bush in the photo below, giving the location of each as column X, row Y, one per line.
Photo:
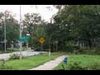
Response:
column 72, row 48
column 88, row 51
column 97, row 51
column 95, row 66
column 4, row 66
column 10, row 49
column 76, row 66
column 15, row 56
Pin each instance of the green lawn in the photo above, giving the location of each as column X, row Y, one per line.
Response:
column 81, row 62
column 30, row 62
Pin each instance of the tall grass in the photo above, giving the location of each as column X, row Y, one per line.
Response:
column 81, row 62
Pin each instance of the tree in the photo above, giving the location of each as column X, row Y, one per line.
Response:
column 12, row 27
column 83, row 23
column 34, row 26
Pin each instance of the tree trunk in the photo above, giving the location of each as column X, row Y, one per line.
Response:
column 89, row 43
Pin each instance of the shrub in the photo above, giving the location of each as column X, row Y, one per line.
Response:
column 95, row 66
column 10, row 50
column 76, row 66
column 87, row 51
column 4, row 66
column 15, row 56
column 97, row 51
column 72, row 48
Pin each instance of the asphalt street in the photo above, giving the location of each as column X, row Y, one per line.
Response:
column 6, row 56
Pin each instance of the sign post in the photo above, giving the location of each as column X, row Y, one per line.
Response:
column 41, row 40
column 28, row 35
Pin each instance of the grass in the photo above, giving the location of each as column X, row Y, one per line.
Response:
column 30, row 62
column 82, row 61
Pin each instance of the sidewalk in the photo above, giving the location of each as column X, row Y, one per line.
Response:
column 51, row 64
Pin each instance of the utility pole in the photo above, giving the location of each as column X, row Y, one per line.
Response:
column 51, row 34
column 50, row 40
column 49, row 46
column 20, row 33
column 5, row 32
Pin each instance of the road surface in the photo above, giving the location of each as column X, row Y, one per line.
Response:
column 6, row 56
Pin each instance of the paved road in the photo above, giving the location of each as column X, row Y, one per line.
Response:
column 51, row 64
column 6, row 56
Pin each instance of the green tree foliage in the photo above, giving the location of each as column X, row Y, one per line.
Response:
column 83, row 23
column 74, row 25
column 35, row 27
column 12, row 28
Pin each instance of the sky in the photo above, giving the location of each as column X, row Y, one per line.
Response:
column 43, row 10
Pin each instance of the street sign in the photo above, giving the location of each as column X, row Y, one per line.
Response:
column 42, row 40
column 24, row 38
